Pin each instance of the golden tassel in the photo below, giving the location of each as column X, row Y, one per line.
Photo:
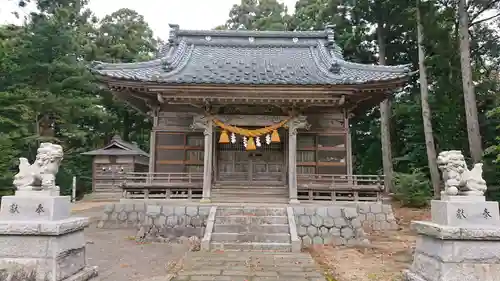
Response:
column 275, row 137
column 224, row 138
column 251, row 144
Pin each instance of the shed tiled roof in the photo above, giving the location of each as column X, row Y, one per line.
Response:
column 117, row 146
column 252, row 58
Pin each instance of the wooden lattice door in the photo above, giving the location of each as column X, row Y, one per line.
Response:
column 265, row 164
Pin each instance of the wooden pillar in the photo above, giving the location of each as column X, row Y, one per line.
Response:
column 293, row 125
column 205, row 123
column 152, row 146
column 348, row 147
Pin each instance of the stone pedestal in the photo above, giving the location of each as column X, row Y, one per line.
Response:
column 462, row 242
column 38, row 235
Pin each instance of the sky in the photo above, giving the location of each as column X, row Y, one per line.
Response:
column 188, row 14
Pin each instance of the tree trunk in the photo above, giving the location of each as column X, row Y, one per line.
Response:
column 126, row 125
column 473, row 132
column 426, row 111
column 385, row 119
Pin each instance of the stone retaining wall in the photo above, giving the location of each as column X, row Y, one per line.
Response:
column 342, row 223
column 119, row 215
column 164, row 220
column 170, row 222
column 325, row 225
column 373, row 215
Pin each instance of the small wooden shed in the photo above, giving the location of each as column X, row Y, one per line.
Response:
column 112, row 162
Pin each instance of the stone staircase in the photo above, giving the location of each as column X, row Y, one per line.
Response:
column 249, row 194
column 251, row 229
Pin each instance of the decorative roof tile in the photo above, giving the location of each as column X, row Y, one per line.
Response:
column 253, row 58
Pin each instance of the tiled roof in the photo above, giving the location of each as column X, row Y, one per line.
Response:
column 251, row 57
column 117, row 146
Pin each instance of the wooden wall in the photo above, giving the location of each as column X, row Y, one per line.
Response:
column 323, row 149
column 106, row 180
column 178, row 149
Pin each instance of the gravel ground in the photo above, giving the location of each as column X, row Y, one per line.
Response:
column 120, row 258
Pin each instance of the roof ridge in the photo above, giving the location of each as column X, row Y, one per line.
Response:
column 171, row 62
column 99, row 65
column 254, row 44
column 183, row 61
column 321, row 66
column 404, row 68
column 252, row 33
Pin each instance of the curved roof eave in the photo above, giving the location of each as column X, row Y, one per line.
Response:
column 325, row 66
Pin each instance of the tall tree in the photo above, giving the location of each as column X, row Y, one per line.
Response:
column 426, row 111
column 258, row 15
column 385, row 105
column 471, row 116
column 124, row 36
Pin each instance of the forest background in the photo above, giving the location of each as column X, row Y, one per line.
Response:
column 48, row 94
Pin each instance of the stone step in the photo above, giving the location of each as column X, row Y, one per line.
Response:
column 241, row 228
column 258, row 247
column 251, row 220
column 251, row 237
column 255, row 211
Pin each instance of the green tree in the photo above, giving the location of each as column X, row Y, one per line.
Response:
column 47, row 92
column 258, row 15
column 124, row 36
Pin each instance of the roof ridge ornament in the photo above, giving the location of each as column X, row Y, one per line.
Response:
column 172, row 35
column 334, row 67
column 167, row 64
column 330, row 35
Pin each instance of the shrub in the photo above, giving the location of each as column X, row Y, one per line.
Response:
column 412, row 190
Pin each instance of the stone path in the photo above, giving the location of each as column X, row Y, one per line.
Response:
column 249, row 266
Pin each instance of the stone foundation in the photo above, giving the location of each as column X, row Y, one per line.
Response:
column 173, row 222
column 325, row 225
column 461, row 243
column 341, row 223
column 156, row 220
column 39, row 239
column 131, row 213
column 373, row 215
column 119, row 215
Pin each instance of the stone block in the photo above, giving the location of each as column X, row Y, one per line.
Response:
column 10, row 227
column 55, row 255
column 298, row 210
column 461, row 251
column 464, row 213
column 376, row 208
column 446, row 232
column 430, row 269
column 37, row 193
column 39, row 208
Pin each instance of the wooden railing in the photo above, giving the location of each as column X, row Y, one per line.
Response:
column 163, row 185
column 326, row 187
column 248, row 177
column 315, row 187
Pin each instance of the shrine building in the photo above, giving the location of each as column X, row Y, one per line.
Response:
column 251, row 116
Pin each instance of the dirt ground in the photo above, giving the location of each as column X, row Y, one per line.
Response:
column 119, row 257
column 383, row 260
